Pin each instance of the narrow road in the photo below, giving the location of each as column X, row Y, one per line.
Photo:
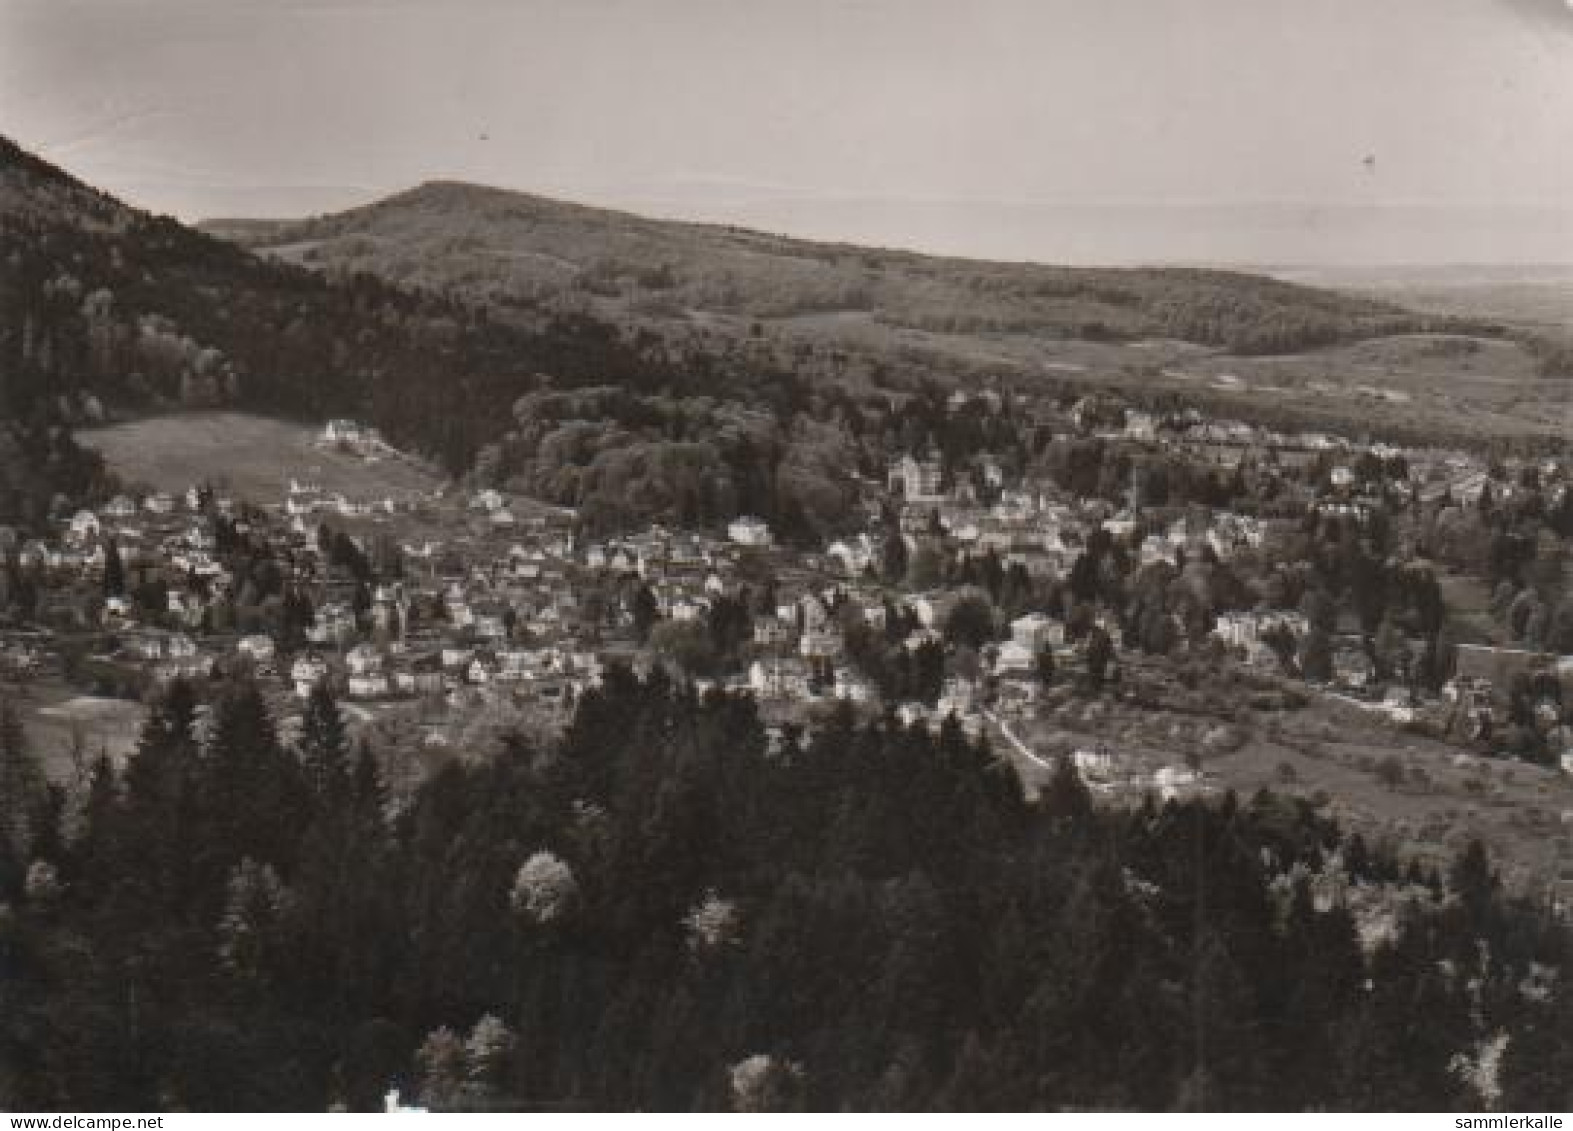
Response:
column 1021, row 747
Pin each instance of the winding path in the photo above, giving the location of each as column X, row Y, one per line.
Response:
column 1021, row 747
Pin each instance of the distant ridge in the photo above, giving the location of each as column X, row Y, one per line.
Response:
column 494, row 245
column 431, row 312
column 32, row 188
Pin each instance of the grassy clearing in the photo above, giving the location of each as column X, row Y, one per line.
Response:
column 1426, row 796
column 252, row 457
column 64, row 728
column 1443, row 796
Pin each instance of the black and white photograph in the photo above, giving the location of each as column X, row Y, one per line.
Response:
column 739, row 556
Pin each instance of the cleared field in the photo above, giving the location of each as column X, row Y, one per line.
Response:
column 1422, row 795
column 1406, row 382
column 251, row 457
column 1441, row 797
column 68, row 731
column 1415, row 380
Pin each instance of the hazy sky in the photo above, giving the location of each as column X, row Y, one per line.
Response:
column 1221, row 130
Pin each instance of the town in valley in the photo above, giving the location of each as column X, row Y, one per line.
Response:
column 786, row 556
column 1174, row 603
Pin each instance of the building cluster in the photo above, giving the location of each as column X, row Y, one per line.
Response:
column 478, row 599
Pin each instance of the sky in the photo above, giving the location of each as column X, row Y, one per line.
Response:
column 1224, row 131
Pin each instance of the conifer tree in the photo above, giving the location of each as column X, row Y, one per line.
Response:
column 21, row 778
column 114, row 571
column 324, row 749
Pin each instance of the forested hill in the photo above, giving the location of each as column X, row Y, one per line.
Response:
column 108, row 310
column 497, row 245
column 686, row 343
column 663, row 912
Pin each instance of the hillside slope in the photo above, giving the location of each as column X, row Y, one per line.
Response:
column 505, row 246
column 435, row 315
column 1244, row 345
column 108, row 311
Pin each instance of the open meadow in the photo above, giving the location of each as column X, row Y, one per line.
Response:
column 1391, row 783
column 69, row 730
column 250, row 457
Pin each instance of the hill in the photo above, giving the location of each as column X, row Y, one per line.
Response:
column 110, row 314
column 107, row 311
column 1539, row 297
column 1534, row 302
column 1263, row 348
column 439, row 314
column 500, row 246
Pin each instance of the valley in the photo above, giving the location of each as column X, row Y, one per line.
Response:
column 500, row 609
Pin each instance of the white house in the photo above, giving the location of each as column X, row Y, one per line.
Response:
column 917, row 480
column 1171, row 781
column 363, row 659
column 184, row 667
column 854, row 557
column 117, row 610
column 334, row 621
column 488, row 500
column 1141, row 425
column 1016, row 694
column 369, row 685
column 1237, row 630
column 258, row 648
column 933, row 609
column 1014, row 659
column 851, row 686
column 958, row 697
column 1353, row 668
column 1247, row 630
column 821, row 644
column 812, row 613
column 746, row 530
column 873, row 613
column 1037, row 631
column 490, row 626
column 418, row 680
column 84, row 527
column 773, row 632
column 778, row 679
column 351, row 434
column 1155, row 550
column 1093, row 765
column 145, row 644
column 179, row 646
column 306, row 672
